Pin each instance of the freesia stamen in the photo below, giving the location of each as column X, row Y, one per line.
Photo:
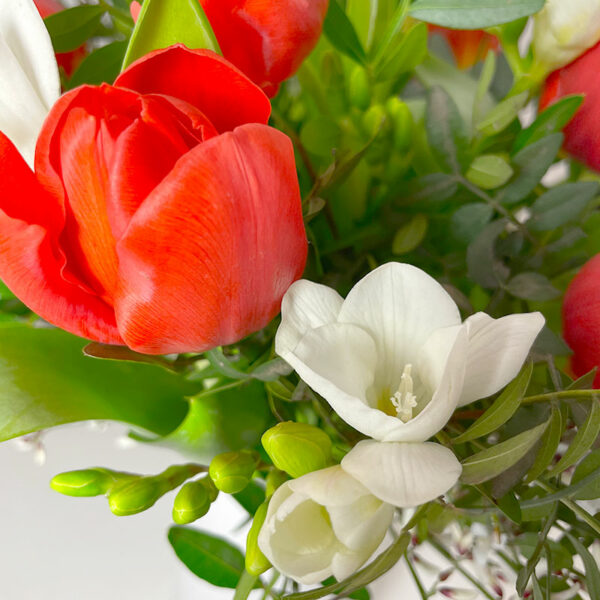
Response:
column 404, row 400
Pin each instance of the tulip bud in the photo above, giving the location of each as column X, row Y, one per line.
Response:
column 275, row 478
column 191, row 503
column 83, row 483
column 231, row 472
column 402, row 123
column 136, row 496
column 256, row 562
column 297, row 448
column 359, row 91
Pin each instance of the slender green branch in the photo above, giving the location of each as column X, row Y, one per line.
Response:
column 417, row 579
column 562, row 394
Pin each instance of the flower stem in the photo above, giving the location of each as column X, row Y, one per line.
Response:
column 562, row 394
column 415, row 575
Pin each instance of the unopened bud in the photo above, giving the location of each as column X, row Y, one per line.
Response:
column 231, row 472
column 136, row 496
column 402, row 123
column 297, row 448
column 358, row 89
column 373, row 120
column 191, row 502
column 87, row 482
column 256, row 561
column 275, row 478
column 211, row 489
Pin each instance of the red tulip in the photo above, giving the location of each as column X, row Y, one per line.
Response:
column 581, row 319
column 267, row 40
column 468, row 46
column 69, row 61
column 582, row 134
column 163, row 213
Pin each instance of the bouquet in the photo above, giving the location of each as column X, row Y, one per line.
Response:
column 342, row 255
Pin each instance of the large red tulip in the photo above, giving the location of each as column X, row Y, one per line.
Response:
column 582, row 134
column 266, row 39
column 163, row 213
column 581, row 319
column 69, row 61
column 468, row 46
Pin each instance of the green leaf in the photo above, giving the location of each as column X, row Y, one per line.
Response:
column 470, row 219
column 503, row 114
column 483, row 85
column 251, row 497
column 588, row 466
column 208, row 557
column 382, row 564
column 503, row 408
column 72, row 27
column 45, row 381
column 549, row 444
column 163, row 23
column 492, row 461
column 551, row 120
column 489, row 171
column 473, row 14
column 100, row 66
column 584, row 438
column 592, row 572
column 532, row 286
column 531, row 163
column 362, row 594
column 434, row 187
column 410, row 51
column 561, row 205
column 483, row 266
column 410, row 236
column 446, row 130
column 340, row 32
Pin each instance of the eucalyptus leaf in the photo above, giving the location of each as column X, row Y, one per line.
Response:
column 483, row 265
column 473, row 14
column 163, row 23
column 503, row 408
column 532, row 286
column 208, row 557
column 492, row 461
column 72, row 27
column 340, row 32
column 410, row 235
column 503, row 114
column 434, row 188
column 586, row 435
column 549, row 444
column 489, row 171
column 470, row 219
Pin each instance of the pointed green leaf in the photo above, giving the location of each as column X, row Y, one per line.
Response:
column 584, row 438
column 101, row 65
column 163, row 23
column 72, row 27
column 532, row 286
column 503, row 114
column 503, row 408
column 340, row 32
column 492, row 461
column 592, row 570
column 588, row 466
column 549, row 445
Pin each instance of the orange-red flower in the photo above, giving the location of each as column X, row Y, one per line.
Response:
column 163, row 213
column 468, row 46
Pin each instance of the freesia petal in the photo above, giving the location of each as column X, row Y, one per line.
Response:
column 230, row 214
column 400, row 306
column 29, row 74
column 305, row 306
column 338, row 361
column 403, row 474
column 31, row 262
column 224, row 94
column 496, row 352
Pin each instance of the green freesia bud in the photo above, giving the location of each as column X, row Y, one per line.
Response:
column 211, row 489
column 136, row 496
column 275, row 478
column 256, row 561
column 231, row 472
column 373, row 120
column 83, row 483
column 359, row 91
column 191, row 503
column 297, row 448
column 402, row 123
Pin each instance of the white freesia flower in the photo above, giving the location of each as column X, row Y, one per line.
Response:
column 322, row 524
column 28, row 72
column 565, row 30
column 394, row 361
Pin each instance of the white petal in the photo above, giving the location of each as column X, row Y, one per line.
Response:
column 305, row 306
column 403, row 474
column 338, row 361
column 329, row 487
column 29, row 74
column 496, row 352
column 346, row 563
column 400, row 306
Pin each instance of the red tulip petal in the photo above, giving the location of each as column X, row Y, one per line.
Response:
column 203, row 79
column 210, row 253
column 31, row 261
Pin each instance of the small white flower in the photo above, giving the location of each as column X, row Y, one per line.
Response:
column 565, row 30
column 29, row 74
column 394, row 361
column 322, row 524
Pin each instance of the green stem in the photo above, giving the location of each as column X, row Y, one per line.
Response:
column 270, row 585
column 415, row 575
column 562, row 394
